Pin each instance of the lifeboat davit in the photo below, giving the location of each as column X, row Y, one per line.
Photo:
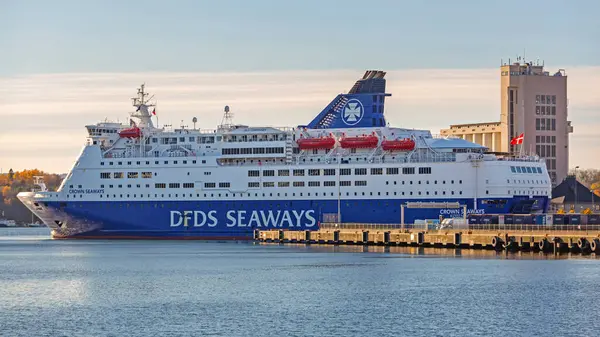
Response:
column 359, row 142
column 134, row 132
column 316, row 143
column 406, row 144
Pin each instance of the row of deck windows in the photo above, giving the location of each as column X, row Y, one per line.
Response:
column 156, row 162
column 343, row 172
column 121, row 175
column 301, row 194
column 255, row 150
column 525, row 169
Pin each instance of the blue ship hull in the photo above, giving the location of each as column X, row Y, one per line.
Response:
column 237, row 220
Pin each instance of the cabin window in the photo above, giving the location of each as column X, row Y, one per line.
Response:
column 376, row 171
column 298, row 173
column 391, row 170
column 408, row 170
column 424, row 170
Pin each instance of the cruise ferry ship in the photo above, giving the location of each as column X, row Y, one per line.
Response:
column 346, row 166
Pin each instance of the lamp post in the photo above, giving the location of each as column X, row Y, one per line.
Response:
column 576, row 167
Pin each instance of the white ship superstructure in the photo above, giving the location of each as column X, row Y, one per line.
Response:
column 347, row 165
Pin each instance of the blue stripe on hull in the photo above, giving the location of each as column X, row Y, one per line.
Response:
column 237, row 220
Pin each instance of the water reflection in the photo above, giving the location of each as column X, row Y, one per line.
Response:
column 435, row 252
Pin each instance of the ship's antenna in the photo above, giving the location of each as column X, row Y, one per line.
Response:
column 194, row 120
column 227, row 121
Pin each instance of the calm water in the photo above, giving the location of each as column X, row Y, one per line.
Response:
column 150, row 288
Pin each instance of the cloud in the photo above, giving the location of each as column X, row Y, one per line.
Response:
column 43, row 116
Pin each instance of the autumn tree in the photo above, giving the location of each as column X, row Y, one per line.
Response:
column 586, row 176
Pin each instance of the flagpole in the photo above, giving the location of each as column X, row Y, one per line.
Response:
column 155, row 114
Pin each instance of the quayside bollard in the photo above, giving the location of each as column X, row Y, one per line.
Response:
column 595, row 246
column 497, row 243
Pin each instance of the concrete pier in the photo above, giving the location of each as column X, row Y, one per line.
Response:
column 546, row 240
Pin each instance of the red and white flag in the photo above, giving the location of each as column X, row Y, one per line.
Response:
column 154, row 111
column 517, row 140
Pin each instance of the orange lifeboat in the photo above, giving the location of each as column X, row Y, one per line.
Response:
column 406, row 144
column 133, row 132
column 359, row 142
column 316, row 143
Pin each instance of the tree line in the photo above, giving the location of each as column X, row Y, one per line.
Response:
column 13, row 182
column 590, row 178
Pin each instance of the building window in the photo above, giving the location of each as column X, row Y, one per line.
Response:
column 283, row 173
column 254, row 184
column 314, row 183
column 360, row 183
column 268, row 184
column 224, row 185
column 268, row 173
column 298, row 184
column 345, row 172
column 298, row 173
column 314, row 172
column 253, row 173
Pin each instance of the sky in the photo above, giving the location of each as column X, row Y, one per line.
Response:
column 65, row 64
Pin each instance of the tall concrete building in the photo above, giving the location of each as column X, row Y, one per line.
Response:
column 534, row 103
